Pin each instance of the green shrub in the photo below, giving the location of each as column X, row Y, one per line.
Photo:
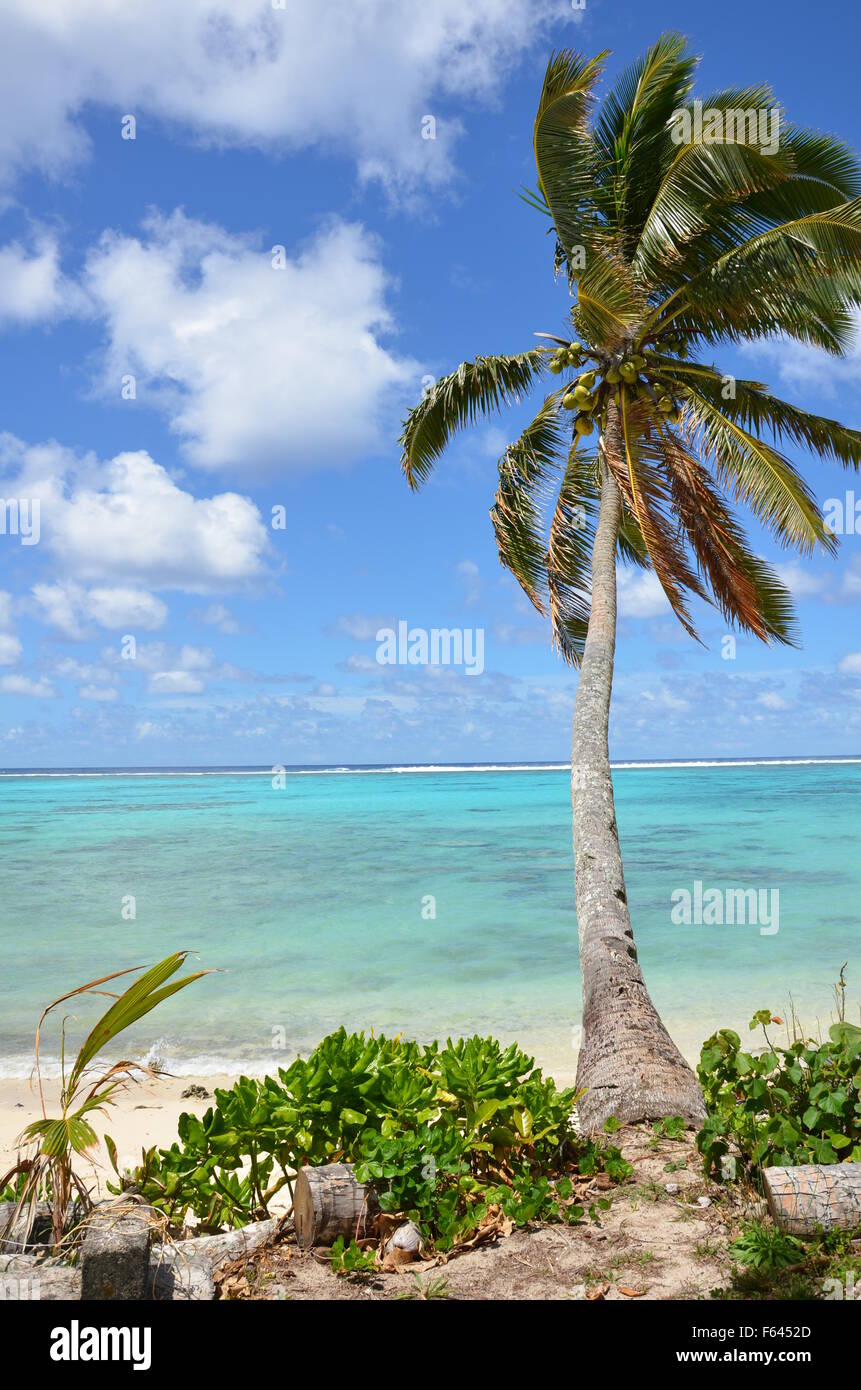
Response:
column 782, row 1105
column 444, row 1134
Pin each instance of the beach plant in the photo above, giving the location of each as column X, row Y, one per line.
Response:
column 45, row 1167
column 447, row 1135
column 763, row 1247
column 351, row 1259
column 781, row 1105
column 672, row 245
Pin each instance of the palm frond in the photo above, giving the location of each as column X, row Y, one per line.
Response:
column 608, row 300
column 569, row 551
column 525, row 470
column 639, row 467
column 563, row 148
column 473, row 390
column 745, row 588
column 758, row 475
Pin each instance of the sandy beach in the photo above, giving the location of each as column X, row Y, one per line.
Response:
column 145, row 1114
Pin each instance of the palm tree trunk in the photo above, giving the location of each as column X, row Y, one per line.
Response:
column 628, row 1062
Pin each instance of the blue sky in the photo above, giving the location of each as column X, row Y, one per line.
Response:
column 260, row 388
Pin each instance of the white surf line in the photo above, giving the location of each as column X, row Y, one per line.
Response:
column 427, row 769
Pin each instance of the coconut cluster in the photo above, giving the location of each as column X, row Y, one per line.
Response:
column 584, row 394
column 581, row 396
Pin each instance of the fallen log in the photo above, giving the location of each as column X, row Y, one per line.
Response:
column 328, row 1202
column 814, row 1197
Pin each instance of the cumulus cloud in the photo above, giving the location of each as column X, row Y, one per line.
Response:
column 175, row 683
column 355, row 78
column 271, row 361
column 641, row 595
column 32, row 286
column 10, row 649
column 40, row 689
column 69, row 608
column 127, row 520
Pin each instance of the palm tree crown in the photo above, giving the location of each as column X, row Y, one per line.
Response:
column 671, row 245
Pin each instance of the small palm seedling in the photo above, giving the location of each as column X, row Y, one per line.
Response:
column 50, row 1144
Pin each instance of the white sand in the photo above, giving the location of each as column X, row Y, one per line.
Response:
column 145, row 1114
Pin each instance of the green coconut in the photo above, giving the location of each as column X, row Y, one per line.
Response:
column 613, row 376
column 569, row 401
column 554, row 367
column 584, row 424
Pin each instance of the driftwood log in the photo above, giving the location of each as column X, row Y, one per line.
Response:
column 328, row 1202
column 814, row 1197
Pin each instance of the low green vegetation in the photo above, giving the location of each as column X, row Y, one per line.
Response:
column 798, row 1103
column 449, row 1136
column 351, row 1259
column 767, row 1264
column 785, row 1104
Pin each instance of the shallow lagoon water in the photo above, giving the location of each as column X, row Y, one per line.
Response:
column 429, row 903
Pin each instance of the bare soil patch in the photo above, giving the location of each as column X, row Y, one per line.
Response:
column 664, row 1237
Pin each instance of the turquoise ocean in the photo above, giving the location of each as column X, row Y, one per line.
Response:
column 432, row 902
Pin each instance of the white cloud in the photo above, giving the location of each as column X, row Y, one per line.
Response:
column 802, row 581
column 363, row 627
column 217, row 615
column 32, row 286
column 356, row 78
column 271, row 369
column 851, row 664
column 360, row 661
column 98, row 692
column 771, row 700
column 470, row 577
column 126, row 608
column 810, row 368
column 69, row 608
column 127, row 520
column 641, row 595
column 10, row 649
column 22, row 685
column 175, row 683
column 160, row 656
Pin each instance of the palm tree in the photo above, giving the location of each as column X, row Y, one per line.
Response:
column 671, row 243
